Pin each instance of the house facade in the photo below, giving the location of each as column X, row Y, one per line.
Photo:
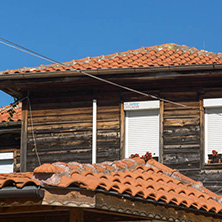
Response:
column 174, row 111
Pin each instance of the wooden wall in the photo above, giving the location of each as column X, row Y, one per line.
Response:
column 181, row 134
column 62, row 124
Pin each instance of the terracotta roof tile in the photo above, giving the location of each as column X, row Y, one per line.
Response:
column 5, row 117
column 159, row 55
column 17, row 179
column 151, row 180
column 48, row 168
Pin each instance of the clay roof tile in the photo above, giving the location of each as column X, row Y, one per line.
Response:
column 131, row 58
column 152, row 180
column 48, row 168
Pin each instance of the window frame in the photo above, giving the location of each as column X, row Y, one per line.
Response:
column 142, row 105
column 4, row 155
column 209, row 103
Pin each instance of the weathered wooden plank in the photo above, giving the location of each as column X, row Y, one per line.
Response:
column 73, row 111
column 55, row 156
column 48, row 119
column 182, row 122
column 191, row 139
column 182, row 150
column 181, row 113
column 61, row 142
column 182, row 160
column 170, row 106
column 181, row 131
column 76, row 124
column 181, row 146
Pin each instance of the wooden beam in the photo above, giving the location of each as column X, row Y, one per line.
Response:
column 202, row 153
column 161, row 131
column 49, row 216
column 29, row 208
column 122, row 131
column 76, row 215
column 24, row 135
column 106, row 215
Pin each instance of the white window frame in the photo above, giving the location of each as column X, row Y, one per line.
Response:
column 7, row 156
column 139, row 105
column 209, row 103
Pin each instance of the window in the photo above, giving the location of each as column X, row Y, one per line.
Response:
column 142, row 124
column 6, row 162
column 213, row 130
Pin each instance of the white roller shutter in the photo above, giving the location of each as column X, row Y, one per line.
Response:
column 6, row 162
column 213, row 130
column 142, row 132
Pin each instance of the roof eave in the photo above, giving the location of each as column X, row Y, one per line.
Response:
column 150, row 69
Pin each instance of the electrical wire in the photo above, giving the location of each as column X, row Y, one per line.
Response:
column 33, row 134
column 12, row 104
column 31, row 119
column 38, row 55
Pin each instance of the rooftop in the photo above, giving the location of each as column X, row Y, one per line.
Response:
column 169, row 54
column 151, row 181
column 5, row 116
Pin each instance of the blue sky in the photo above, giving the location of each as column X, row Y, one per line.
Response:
column 71, row 29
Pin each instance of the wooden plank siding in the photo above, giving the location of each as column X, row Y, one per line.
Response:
column 63, row 129
column 62, row 119
column 181, row 135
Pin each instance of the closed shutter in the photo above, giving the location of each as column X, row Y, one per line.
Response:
column 213, row 130
column 6, row 162
column 142, row 132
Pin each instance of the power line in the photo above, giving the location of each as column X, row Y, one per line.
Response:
column 31, row 120
column 38, row 55
column 33, row 134
column 12, row 104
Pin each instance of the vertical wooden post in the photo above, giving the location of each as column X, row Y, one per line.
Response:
column 161, row 130
column 24, row 135
column 76, row 215
column 202, row 151
column 122, row 131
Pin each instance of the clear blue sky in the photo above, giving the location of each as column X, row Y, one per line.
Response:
column 71, row 29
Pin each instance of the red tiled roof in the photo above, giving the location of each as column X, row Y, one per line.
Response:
column 132, row 177
column 160, row 55
column 5, row 117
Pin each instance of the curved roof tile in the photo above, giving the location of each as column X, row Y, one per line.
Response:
column 5, row 116
column 169, row 54
column 151, row 180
